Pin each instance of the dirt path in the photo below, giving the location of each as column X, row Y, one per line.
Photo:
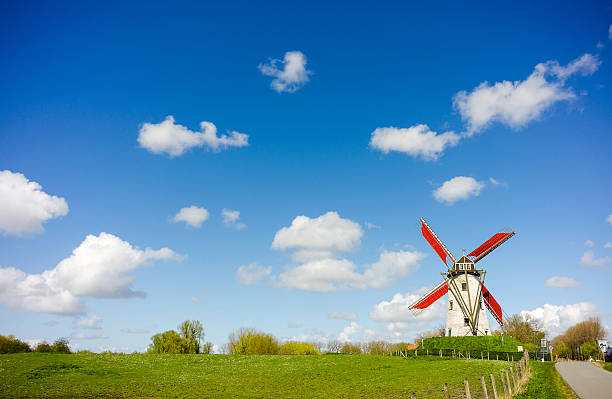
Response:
column 587, row 380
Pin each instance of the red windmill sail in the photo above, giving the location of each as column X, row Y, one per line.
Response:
column 435, row 242
column 492, row 304
column 489, row 245
column 431, row 296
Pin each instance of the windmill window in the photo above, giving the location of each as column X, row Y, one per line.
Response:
column 466, row 321
column 449, row 332
column 461, row 266
column 450, row 305
column 463, row 286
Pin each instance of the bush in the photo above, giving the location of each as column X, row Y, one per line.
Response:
column 61, row 346
column 167, row 342
column 563, row 350
column 44, row 347
column 351, row 349
column 297, row 348
column 590, row 348
column 248, row 341
column 11, row 344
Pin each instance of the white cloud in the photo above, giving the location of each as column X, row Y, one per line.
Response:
column 173, row 139
column 517, row 103
column 609, row 219
column 396, row 310
column 561, row 282
column 589, row 260
column 232, row 219
column 557, row 319
column 291, row 75
column 372, row 226
column 252, row 274
column 349, row 331
column 326, row 275
column 343, row 316
column 97, row 268
column 416, row 141
column 458, row 188
column 319, row 238
column 89, row 323
column 193, row 216
column 589, row 243
column 608, row 244
column 496, row 182
column 85, row 336
column 24, row 207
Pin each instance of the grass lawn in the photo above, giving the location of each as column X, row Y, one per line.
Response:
column 223, row 376
column 546, row 382
column 608, row 366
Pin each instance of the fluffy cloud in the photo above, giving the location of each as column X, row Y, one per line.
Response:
column 326, row 275
column 24, row 207
column 458, row 188
column 97, row 268
column 589, row 243
column 349, row 331
column 319, row 238
column 193, row 216
column 416, row 141
column 557, row 319
column 232, row 219
column 173, row 139
column 252, row 274
column 89, row 323
column 396, row 310
column 589, row 260
column 561, row 282
column 517, row 103
column 291, row 75
column 343, row 316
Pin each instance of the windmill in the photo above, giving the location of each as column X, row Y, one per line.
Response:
column 465, row 286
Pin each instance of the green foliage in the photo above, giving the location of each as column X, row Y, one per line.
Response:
column 10, row 344
column 608, row 366
column 252, row 342
column 481, row 343
column 61, row 346
column 545, row 382
column 590, row 348
column 297, row 348
column 226, row 376
column 187, row 342
column 350, row 349
column 377, row 348
column 523, row 329
column 563, row 350
column 207, row 348
column 44, row 347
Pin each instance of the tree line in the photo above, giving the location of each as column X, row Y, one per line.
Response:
column 10, row 344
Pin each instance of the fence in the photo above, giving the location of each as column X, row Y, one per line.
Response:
column 467, row 354
column 510, row 382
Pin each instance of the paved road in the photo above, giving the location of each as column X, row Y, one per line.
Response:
column 587, row 380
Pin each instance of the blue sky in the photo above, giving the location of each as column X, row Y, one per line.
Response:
column 86, row 89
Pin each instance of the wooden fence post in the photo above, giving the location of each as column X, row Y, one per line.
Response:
column 480, row 355
column 513, row 377
column 497, row 356
column 488, row 355
column 494, row 387
column 503, row 382
column 508, row 382
column 484, row 387
column 467, row 389
column 446, row 394
column 440, row 352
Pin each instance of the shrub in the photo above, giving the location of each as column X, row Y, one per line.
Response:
column 590, row 348
column 61, row 346
column 248, row 341
column 351, row 349
column 44, row 347
column 11, row 344
column 207, row 348
column 167, row 342
column 297, row 348
column 563, row 350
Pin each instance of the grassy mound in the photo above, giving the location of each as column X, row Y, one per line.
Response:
column 486, row 343
column 36, row 375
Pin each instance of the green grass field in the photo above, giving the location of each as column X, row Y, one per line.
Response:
column 545, row 382
column 224, row 376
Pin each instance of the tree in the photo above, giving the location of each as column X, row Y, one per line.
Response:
column 334, row 346
column 193, row 332
column 44, row 347
column 248, row 341
column 578, row 334
column 590, row 349
column 167, row 342
column 563, row 350
column 61, row 346
column 351, row 349
column 522, row 328
column 10, row 344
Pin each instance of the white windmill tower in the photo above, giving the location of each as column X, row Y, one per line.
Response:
column 467, row 294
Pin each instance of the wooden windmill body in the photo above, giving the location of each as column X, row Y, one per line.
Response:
column 464, row 283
